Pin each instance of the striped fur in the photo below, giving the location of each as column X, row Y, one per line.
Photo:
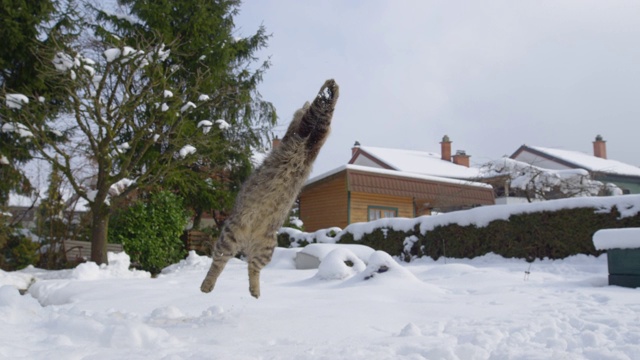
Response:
column 268, row 195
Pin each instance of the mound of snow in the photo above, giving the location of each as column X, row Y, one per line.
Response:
column 19, row 280
column 118, row 267
column 382, row 265
column 283, row 258
column 312, row 255
column 334, row 265
column 192, row 262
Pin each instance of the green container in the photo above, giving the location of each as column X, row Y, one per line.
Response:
column 624, row 267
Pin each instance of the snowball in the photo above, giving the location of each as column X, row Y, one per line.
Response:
column 15, row 101
column 41, row 99
column 187, row 150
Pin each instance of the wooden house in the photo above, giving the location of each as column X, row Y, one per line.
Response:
column 355, row 193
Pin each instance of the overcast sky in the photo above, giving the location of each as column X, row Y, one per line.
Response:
column 492, row 75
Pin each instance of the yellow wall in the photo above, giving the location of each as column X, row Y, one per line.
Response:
column 360, row 203
column 324, row 205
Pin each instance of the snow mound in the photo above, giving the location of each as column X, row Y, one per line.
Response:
column 14, row 308
column 192, row 262
column 167, row 313
column 410, row 330
column 340, row 264
column 283, row 258
column 382, row 265
column 19, row 280
column 118, row 268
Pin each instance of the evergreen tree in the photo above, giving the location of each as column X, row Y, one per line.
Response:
column 28, row 29
column 208, row 54
column 138, row 111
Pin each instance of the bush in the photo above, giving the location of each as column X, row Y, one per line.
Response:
column 150, row 230
column 546, row 234
column 18, row 252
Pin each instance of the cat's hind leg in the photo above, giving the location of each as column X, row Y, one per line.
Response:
column 258, row 260
column 223, row 251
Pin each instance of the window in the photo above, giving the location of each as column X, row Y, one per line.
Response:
column 379, row 212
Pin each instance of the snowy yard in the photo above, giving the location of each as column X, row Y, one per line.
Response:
column 459, row 309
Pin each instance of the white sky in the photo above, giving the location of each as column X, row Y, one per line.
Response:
column 492, row 75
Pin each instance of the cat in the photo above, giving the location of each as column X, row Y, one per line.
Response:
column 267, row 196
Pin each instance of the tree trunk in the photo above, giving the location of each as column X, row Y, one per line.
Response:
column 197, row 219
column 99, row 227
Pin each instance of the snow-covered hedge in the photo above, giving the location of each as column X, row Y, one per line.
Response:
column 553, row 229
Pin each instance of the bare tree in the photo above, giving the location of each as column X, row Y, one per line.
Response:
column 535, row 183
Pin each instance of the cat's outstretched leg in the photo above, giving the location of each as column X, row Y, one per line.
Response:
column 258, row 260
column 223, row 251
column 316, row 121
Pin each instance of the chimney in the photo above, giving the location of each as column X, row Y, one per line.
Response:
column 445, row 146
column 275, row 142
column 600, row 147
column 461, row 158
column 355, row 148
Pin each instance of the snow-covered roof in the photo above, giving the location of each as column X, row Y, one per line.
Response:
column 590, row 162
column 420, row 162
column 396, row 173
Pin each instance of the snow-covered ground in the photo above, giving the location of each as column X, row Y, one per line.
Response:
column 484, row 308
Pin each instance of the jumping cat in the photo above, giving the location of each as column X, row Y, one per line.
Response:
column 266, row 197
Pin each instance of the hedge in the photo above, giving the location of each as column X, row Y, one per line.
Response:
column 534, row 235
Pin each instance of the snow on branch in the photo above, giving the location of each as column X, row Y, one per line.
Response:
column 15, row 101
column 17, row 128
column 187, row 106
column 205, row 125
column 187, row 150
column 223, row 125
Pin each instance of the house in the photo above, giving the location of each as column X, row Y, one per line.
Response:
column 379, row 183
column 624, row 176
column 419, row 162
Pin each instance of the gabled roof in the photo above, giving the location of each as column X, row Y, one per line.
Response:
column 412, row 161
column 576, row 159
